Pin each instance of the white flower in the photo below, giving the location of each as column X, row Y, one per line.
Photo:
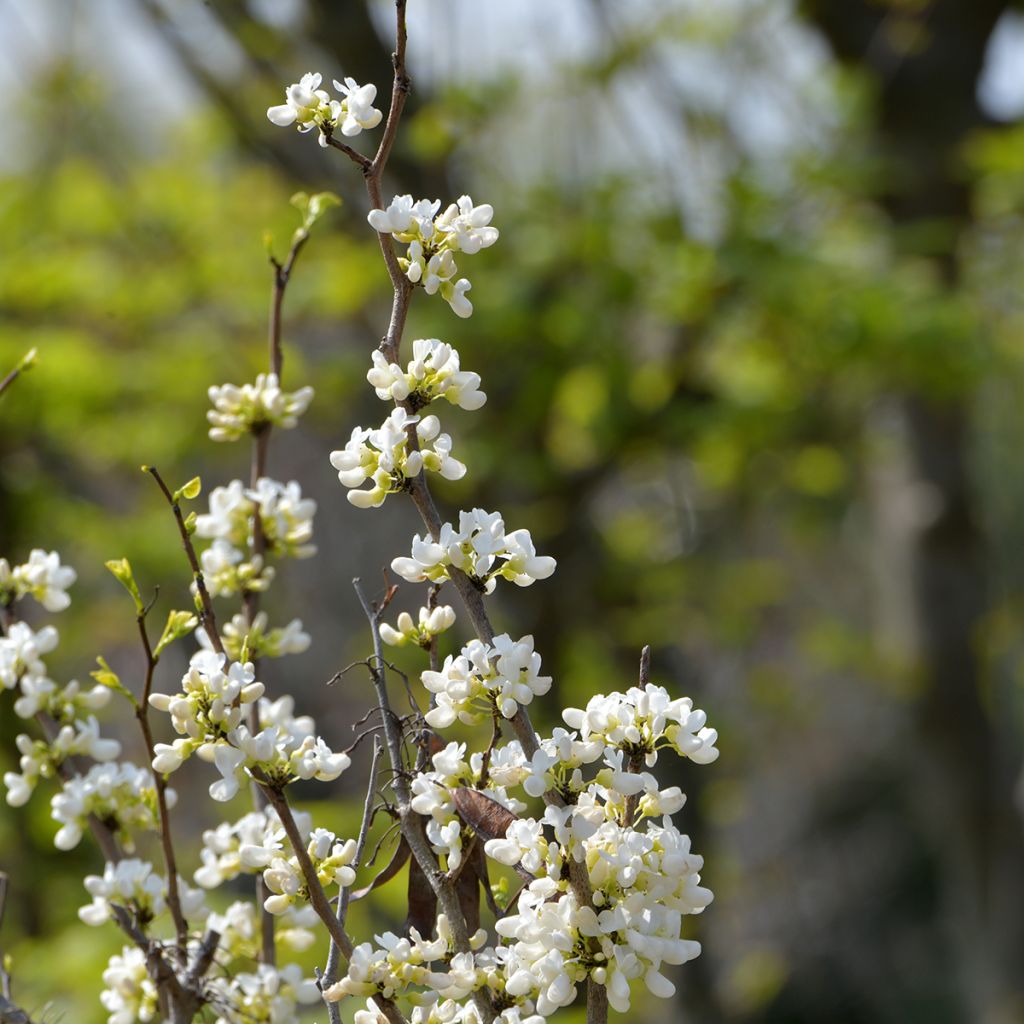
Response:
column 227, row 572
column 122, row 795
column 260, row 642
column 331, row 859
column 239, row 410
column 383, row 456
column 481, row 549
column 130, row 995
column 432, row 240
column 433, row 372
column 505, row 674
column 358, row 111
column 41, row 577
column 431, row 623
column 268, row 995
column 21, row 652
column 305, row 103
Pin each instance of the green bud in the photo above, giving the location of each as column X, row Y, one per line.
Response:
column 190, row 490
column 106, row 676
column 122, row 572
column 179, row 624
column 190, row 523
column 28, row 360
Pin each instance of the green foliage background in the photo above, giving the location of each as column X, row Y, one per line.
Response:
column 719, row 439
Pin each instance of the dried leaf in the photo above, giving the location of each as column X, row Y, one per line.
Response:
column 486, row 817
column 398, row 859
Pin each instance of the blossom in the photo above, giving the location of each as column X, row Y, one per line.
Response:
column 258, row 640
column 226, row 570
column 133, row 884
column 433, row 372
column 65, row 704
column 309, row 107
column 268, row 995
column 430, row 623
column 41, row 759
column 239, row 410
column 504, row 674
column 286, row 518
column 644, row 721
column 240, row 930
column 130, row 995
column 481, row 549
column 331, row 860
column 122, row 795
column 383, row 456
column 21, row 652
column 433, row 240
column 245, row 846
column 41, row 577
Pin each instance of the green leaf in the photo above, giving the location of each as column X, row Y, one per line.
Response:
column 179, row 624
column 106, row 676
column 312, row 208
column 122, row 572
column 190, row 490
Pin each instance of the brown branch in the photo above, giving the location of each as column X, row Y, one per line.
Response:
column 206, row 613
column 333, row 954
column 317, row 897
column 167, row 845
column 636, row 759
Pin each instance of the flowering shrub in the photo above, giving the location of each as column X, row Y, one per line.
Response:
column 605, row 878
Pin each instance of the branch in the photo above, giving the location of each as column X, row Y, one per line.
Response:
column 26, row 363
column 206, row 614
column 170, row 862
column 636, row 760
column 317, row 897
column 333, row 955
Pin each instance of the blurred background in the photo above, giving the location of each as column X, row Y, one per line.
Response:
column 753, row 341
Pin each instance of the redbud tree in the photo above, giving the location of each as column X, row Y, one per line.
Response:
column 603, row 876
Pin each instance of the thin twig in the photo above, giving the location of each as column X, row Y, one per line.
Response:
column 166, row 843
column 333, row 955
column 636, row 758
column 206, row 613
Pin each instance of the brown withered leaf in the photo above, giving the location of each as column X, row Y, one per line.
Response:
column 486, row 817
column 398, row 859
column 422, row 913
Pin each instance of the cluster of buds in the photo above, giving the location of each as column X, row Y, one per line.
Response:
column 311, row 108
column 331, row 860
column 238, row 411
column 430, row 623
column 388, row 458
column 504, row 674
column 433, row 372
column 42, row 577
column 433, row 240
column 480, row 548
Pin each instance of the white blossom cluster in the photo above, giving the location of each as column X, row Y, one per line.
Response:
column 130, row 995
column 433, row 239
column 430, row 623
column 208, row 714
column 42, row 577
column 256, row 638
column 122, row 795
column 234, row 848
column 21, row 653
column 480, row 548
column 388, row 458
column 433, row 372
column 239, row 410
column 504, row 674
column 240, row 936
column 331, row 860
column 310, row 108
column 135, row 886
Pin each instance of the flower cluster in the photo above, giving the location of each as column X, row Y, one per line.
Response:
column 268, row 995
column 240, row 930
column 41, row 759
column 481, row 549
column 429, row 624
column 504, row 674
column 21, row 651
column 433, row 372
column 122, row 795
column 238, row 411
column 257, row 640
column 433, row 240
column 387, row 458
column 41, row 577
column 286, row 518
column 309, row 107
column 330, row 858
column 241, row 847
column 643, row 721
column 133, row 884
column 130, row 995
column 208, row 715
